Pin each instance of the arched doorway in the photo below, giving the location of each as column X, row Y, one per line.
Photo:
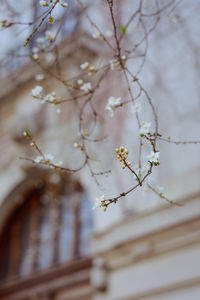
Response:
column 44, row 242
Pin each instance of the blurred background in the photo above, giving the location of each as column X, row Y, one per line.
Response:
column 54, row 245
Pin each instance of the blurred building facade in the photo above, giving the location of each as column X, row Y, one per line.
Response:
column 53, row 245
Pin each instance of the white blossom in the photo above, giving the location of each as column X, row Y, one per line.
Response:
column 78, row 146
column 112, row 104
column 49, row 157
column 37, row 91
column 80, row 82
column 110, row 110
column 153, row 157
column 38, row 159
column 49, row 97
column 136, row 107
column 59, row 163
column 35, row 50
column 98, row 202
column 50, row 58
column 35, row 56
column 114, row 63
column 96, row 35
column 84, row 66
column 91, row 70
column 64, row 4
column 44, row 3
column 108, row 33
column 40, row 40
column 86, row 87
column 39, row 77
column 50, row 35
column 145, row 126
column 160, row 189
column 84, row 132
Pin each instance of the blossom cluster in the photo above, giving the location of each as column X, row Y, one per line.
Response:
column 84, row 86
column 90, row 68
column 46, row 3
column 122, row 155
column 48, row 159
column 78, row 146
column 99, row 202
column 145, row 128
column 39, row 77
column 43, row 42
column 97, row 35
column 112, row 104
column 153, row 157
column 115, row 63
column 51, row 98
column 84, row 133
column 37, row 91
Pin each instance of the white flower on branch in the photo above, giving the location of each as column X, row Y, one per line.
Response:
column 25, row 133
column 59, row 163
column 35, row 50
column 84, row 65
column 108, row 34
column 96, row 34
column 91, row 70
column 80, row 82
column 114, row 63
column 112, row 104
column 124, row 58
column 50, row 98
column 35, row 56
column 39, row 77
column 78, row 146
column 38, row 159
column 136, row 107
column 50, row 58
column 145, row 128
column 37, row 91
column 153, row 157
column 86, row 87
column 160, row 189
column 98, row 202
column 64, row 4
column 50, row 35
column 40, row 40
column 44, row 3
column 47, row 159
column 84, row 133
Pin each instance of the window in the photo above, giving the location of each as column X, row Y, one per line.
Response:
column 52, row 226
